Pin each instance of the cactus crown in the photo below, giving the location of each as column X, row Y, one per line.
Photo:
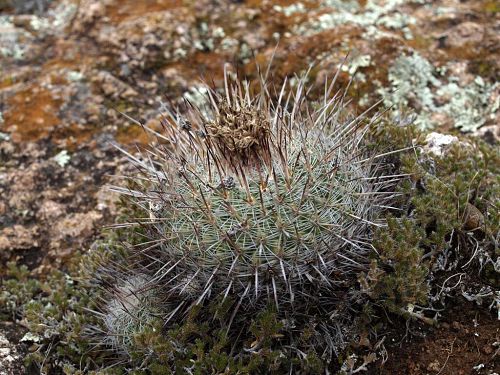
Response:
column 240, row 131
column 265, row 201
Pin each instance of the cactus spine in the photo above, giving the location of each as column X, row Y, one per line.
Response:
column 263, row 201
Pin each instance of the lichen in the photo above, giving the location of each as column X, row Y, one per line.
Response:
column 229, row 43
column 469, row 106
column 13, row 40
column 74, row 75
column 411, row 78
column 415, row 82
column 55, row 19
column 374, row 16
column 245, row 53
column 62, row 158
column 197, row 95
column 360, row 61
column 290, row 9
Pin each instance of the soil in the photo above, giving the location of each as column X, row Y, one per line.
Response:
column 467, row 341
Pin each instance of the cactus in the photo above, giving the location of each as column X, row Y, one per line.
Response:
column 128, row 312
column 266, row 202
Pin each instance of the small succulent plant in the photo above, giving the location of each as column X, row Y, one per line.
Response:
column 263, row 199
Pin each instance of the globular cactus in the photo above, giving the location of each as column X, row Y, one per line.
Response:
column 129, row 309
column 266, row 201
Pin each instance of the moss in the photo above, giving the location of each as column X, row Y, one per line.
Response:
column 435, row 236
column 17, row 290
column 491, row 6
column 484, row 67
column 55, row 310
column 397, row 278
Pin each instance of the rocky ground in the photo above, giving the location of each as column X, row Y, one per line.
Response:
column 68, row 67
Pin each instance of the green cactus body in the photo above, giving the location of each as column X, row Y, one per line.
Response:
column 269, row 235
column 266, row 202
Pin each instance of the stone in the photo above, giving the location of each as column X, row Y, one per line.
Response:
column 18, row 237
column 463, row 34
column 436, row 143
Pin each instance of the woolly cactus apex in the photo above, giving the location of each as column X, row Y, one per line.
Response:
column 268, row 201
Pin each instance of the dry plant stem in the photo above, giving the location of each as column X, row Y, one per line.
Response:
column 422, row 318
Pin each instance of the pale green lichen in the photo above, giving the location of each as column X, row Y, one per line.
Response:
column 39, row 23
column 411, row 79
column 291, row 9
column 218, row 32
column 55, row 20
column 180, row 53
column 415, row 82
column 245, row 53
column 31, row 338
column 209, row 37
column 440, row 11
column 62, row 158
column 469, row 106
column 197, row 95
column 343, row 5
column 229, row 43
column 12, row 39
column 75, row 76
column 373, row 16
column 360, row 61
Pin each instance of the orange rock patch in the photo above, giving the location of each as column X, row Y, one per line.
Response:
column 31, row 114
column 124, row 9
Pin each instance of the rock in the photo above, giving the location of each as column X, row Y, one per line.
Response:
column 473, row 218
column 149, row 39
column 18, row 237
column 441, row 120
column 9, row 357
column 113, row 87
column 107, row 200
column 50, row 210
column 487, row 349
column 15, row 42
column 89, row 12
column 490, row 134
column 6, row 149
column 76, row 225
column 463, row 34
column 71, row 232
column 436, row 143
